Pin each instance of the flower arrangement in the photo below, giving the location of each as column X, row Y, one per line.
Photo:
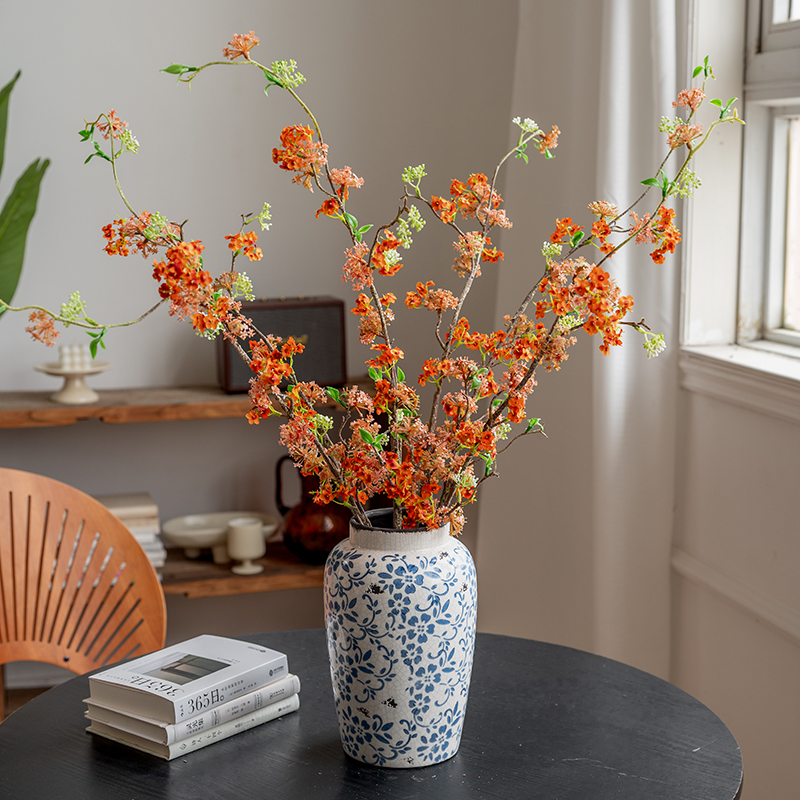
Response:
column 429, row 464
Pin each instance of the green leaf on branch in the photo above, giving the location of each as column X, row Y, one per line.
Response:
column 375, row 374
column 98, row 151
column 178, row 69
column 334, row 394
column 97, row 340
column 272, row 80
column 534, row 423
column 401, row 375
column 15, row 219
column 575, row 240
column 366, row 436
column 725, row 111
column 704, row 68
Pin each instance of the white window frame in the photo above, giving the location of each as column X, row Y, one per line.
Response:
column 772, row 92
column 725, row 263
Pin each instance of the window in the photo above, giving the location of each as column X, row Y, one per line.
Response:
column 779, row 24
column 740, row 337
column 769, row 286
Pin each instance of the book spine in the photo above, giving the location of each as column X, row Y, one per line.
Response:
column 193, row 704
column 267, row 695
column 234, row 726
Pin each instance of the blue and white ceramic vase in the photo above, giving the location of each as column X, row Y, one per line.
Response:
column 400, row 609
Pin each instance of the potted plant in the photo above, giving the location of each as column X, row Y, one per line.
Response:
column 400, row 592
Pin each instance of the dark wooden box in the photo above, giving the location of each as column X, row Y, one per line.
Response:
column 317, row 322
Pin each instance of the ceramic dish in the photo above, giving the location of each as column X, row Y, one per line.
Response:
column 199, row 531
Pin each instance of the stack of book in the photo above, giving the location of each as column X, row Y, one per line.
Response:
column 140, row 515
column 190, row 695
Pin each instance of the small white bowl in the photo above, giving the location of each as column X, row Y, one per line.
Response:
column 198, row 531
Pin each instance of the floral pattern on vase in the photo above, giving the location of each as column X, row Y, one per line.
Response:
column 400, row 610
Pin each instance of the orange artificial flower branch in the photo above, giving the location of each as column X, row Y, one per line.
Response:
column 429, row 468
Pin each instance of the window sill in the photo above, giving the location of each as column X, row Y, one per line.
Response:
column 761, row 377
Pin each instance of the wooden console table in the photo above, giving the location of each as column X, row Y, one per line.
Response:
column 164, row 404
column 37, row 410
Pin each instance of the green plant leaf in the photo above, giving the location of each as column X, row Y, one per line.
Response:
column 272, row 79
column 374, row 373
column 401, row 375
column 366, row 436
column 334, row 394
column 97, row 339
column 178, row 69
column 533, row 423
column 697, row 71
column 5, row 93
column 15, row 219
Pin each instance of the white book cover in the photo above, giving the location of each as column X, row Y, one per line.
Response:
column 135, row 505
column 165, row 733
column 181, row 681
column 224, row 731
column 143, row 527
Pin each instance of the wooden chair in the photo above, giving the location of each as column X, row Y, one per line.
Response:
column 76, row 588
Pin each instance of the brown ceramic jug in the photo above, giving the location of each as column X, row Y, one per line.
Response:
column 310, row 530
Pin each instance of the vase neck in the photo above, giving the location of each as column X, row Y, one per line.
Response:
column 399, row 541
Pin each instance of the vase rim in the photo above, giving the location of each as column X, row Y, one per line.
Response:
column 380, row 512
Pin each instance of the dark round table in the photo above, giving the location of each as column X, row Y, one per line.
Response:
column 543, row 722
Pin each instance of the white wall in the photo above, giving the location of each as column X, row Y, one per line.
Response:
column 390, row 86
column 539, row 513
column 736, row 595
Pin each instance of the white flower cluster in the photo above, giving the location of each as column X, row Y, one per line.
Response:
column 392, row 258
column 128, row 141
column 287, row 72
column 668, row 125
column 568, row 322
column 551, row 250
column 502, row 430
column 322, row 423
column 404, row 234
column 156, row 227
column 413, row 175
column 73, row 308
column 654, row 345
column 265, row 216
column 414, row 221
column 687, row 184
column 527, row 125
column 243, row 287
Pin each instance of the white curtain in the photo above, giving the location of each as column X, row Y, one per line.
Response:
column 634, row 397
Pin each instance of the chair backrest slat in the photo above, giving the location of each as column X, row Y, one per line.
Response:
column 76, row 588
